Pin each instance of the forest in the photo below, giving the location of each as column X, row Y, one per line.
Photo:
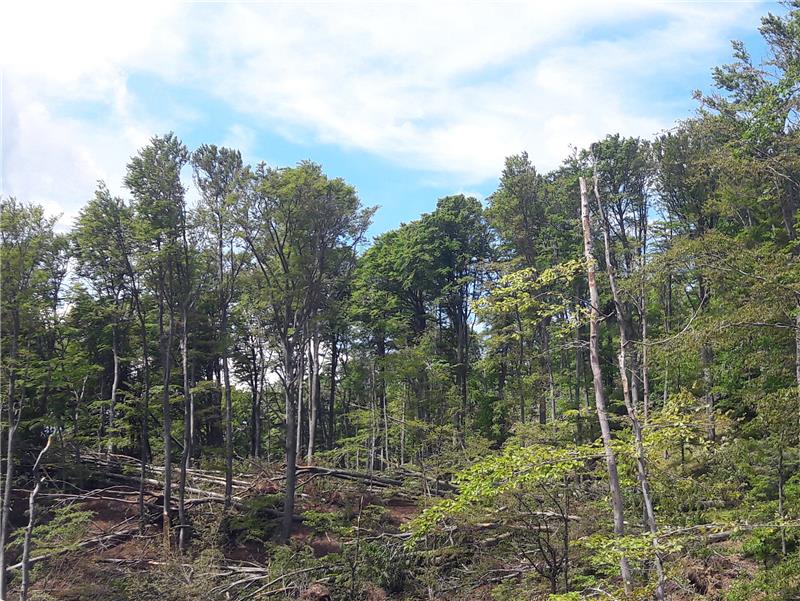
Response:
column 585, row 386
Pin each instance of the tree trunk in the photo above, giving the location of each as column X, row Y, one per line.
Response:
column 26, row 546
column 380, row 393
column 166, row 353
column 226, row 379
column 332, row 399
column 781, row 512
column 314, row 400
column 630, row 402
column 291, row 441
column 4, row 514
column 144, row 454
column 114, row 386
column 183, row 534
column 299, row 409
column 645, row 366
column 599, row 391
column 255, row 412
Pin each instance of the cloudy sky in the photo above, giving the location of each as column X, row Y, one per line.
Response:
column 407, row 101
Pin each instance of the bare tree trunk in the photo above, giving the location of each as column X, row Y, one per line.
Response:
column 226, row 380
column 114, row 386
column 255, row 411
column 599, row 391
column 166, row 350
column 797, row 353
column 145, row 412
column 332, row 399
column 299, row 423
column 643, row 314
column 26, row 546
column 403, row 427
column 291, row 441
column 314, row 401
column 520, row 379
column 262, row 386
column 630, row 403
column 797, row 348
column 183, row 534
column 781, row 512
column 645, row 366
column 4, row 514
column 385, row 432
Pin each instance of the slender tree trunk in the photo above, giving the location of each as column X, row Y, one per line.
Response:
column 4, row 514
column 300, row 388
column 520, row 378
column 166, row 351
column 332, row 399
column 385, row 409
column 192, row 421
column 183, row 534
column 630, row 403
column 255, row 411
column 797, row 352
column 291, row 441
column 314, row 400
column 403, row 426
column 462, row 358
column 259, row 412
column 226, row 379
column 645, row 366
column 26, row 546
column 781, row 478
column 144, row 454
column 379, row 401
column 114, row 386
column 599, row 391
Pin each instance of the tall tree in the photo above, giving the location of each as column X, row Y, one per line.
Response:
column 295, row 219
column 26, row 243
column 617, row 503
column 154, row 179
column 218, row 173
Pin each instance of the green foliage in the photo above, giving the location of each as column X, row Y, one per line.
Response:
column 778, row 583
column 65, row 529
column 256, row 521
column 513, row 468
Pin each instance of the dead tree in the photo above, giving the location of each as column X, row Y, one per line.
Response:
column 599, row 390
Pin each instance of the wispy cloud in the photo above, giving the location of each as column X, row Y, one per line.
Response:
column 447, row 88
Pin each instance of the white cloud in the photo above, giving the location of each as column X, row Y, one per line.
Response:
column 451, row 88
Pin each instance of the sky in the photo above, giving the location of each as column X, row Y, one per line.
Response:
column 407, row 101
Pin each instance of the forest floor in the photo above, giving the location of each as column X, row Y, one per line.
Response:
column 96, row 559
column 233, row 553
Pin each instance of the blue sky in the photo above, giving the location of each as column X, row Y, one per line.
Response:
column 406, row 101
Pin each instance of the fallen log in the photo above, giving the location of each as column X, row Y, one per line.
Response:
column 115, row 538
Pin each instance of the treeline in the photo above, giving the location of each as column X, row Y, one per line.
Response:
column 260, row 322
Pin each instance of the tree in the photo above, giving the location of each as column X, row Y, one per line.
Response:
column 457, row 238
column 295, row 219
column 599, row 390
column 101, row 260
column 26, row 243
column 218, row 173
column 153, row 177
